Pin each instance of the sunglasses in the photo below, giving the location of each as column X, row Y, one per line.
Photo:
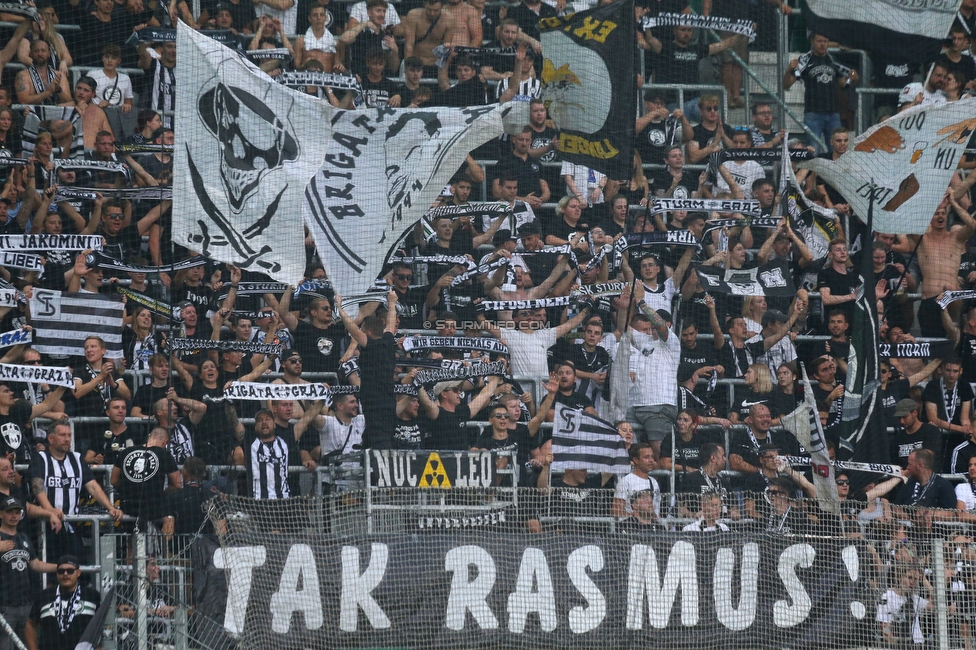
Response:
column 66, row 572
column 501, row 416
column 114, row 215
column 294, row 360
column 709, row 108
column 403, row 276
column 842, row 482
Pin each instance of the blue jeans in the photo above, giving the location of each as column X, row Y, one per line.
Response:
column 821, row 124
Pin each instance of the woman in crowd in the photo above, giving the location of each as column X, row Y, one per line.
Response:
column 786, row 394
column 140, row 340
column 758, row 389
column 683, row 453
column 146, row 124
column 564, row 226
column 753, row 307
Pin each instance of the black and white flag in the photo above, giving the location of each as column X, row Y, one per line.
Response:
column 62, row 322
column 241, row 162
column 23, row 261
column 355, row 221
column 748, row 207
column 770, row 279
column 584, row 441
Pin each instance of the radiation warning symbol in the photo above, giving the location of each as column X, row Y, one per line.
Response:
column 434, row 475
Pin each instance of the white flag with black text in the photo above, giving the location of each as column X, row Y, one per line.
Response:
column 245, row 150
column 383, row 170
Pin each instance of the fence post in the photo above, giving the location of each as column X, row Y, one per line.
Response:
column 142, row 582
column 180, row 632
column 106, row 580
column 941, row 603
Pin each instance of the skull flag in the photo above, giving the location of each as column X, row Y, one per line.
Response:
column 382, row 171
column 241, row 161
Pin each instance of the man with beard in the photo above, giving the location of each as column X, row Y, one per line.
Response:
column 407, row 433
column 265, row 457
column 41, row 83
column 566, row 392
column 317, row 339
column 61, row 613
column 339, row 434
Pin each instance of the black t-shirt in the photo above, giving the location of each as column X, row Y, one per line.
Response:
column 407, row 434
column 377, row 362
column 320, row 348
column 745, row 399
column 820, row 83
column 528, row 172
column 242, row 12
column 820, row 395
column 512, row 442
column 966, row 65
column 123, row 245
column 967, row 355
column 186, row 507
column 15, row 434
column 144, row 471
column 703, row 136
column 948, row 400
column 575, row 400
column 557, row 227
column 49, row 634
column 679, row 65
column 662, row 179
column 92, row 404
column 377, row 93
column 652, row 141
column 462, row 94
column 446, row 431
column 890, row 395
column 927, row 437
column 840, row 284
column 736, row 361
column 743, row 445
column 15, row 572
column 357, row 51
column 528, row 19
column 684, row 452
column 937, row 493
column 112, row 448
column 147, row 396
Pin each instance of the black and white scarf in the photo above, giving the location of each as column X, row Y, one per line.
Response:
column 743, row 27
column 65, row 610
column 436, row 375
column 481, row 344
column 181, row 345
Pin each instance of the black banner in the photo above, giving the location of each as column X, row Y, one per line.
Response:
column 589, row 87
column 928, row 350
column 472, row 587
column 668, row 238
column 770, row 279
column 765, row 155
column 431, row 469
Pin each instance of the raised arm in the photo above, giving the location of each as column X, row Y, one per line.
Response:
column 357, row 334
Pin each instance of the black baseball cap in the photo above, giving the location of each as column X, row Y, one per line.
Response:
column 10, row 503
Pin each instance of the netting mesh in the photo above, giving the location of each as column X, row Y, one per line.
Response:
column 601, row 234
column 874, row 576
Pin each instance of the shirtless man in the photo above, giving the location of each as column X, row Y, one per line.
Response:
column 939, row 254
column 467, row 23
column 426, row 28
column 40, row 83
column 93, row 120
column 318, row 43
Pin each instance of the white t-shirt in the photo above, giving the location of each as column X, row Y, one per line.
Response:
column 911, row 91
column 528, row 351
column 586, row 180
column 633, row 483
column 662, row 297
column 288, row 17
column 965, row 494
column 745, row 174
column 655, row 363
column 358, row 11
column 325, row 44
column 114, row 91
column 890, row 610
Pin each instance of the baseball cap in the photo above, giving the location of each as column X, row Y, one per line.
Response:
column 773, row 316
column 69, row 559
column 10, row 503
column 908, row 93
column 768, row 446
column 501, row 237
column 446, row 385
column 665, row 314
column 685, row 372
column 529, row 229
column 905, row 406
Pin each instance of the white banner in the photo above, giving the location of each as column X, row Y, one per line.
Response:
column 50, row 242
column 905, row 163
column 15, row 337
column 24, row 261
column 36, row 375
column 930, row 18
column 256, row 392
column 242, row 159
column 354, row 219
column 8, row 297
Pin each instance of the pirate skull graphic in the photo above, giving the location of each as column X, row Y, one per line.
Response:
column 253, row 139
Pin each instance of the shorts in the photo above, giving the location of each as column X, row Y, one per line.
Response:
column 652, row 423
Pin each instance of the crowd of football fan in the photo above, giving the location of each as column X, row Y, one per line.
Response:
column 168, row 410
